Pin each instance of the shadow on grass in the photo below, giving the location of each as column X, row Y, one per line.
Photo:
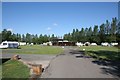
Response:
column 76, row 52
column 3, row 60
column 79, row 54
column 112, row 67
column 106, row 55
column 111, row 59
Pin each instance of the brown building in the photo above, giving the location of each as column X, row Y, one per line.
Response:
column 61, row 42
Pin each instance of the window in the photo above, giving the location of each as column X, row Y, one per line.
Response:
column 4, row 43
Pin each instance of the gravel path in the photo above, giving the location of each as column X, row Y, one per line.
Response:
column 71, row 64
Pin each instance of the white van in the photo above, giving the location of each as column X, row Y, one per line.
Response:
column 9, row 44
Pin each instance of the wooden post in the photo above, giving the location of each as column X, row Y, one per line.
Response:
column 15, row 57
column 37, row 69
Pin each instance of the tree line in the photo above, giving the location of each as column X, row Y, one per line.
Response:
column 28, row 38
column 106, row 32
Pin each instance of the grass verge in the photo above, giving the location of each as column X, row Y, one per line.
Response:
column 14, row 69
column 102, row 52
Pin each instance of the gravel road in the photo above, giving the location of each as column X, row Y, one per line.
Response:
column 71, row 64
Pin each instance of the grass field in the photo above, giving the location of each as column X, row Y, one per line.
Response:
column 35, row 49
column 14, row 69
column 97, row 48
column 102, row 52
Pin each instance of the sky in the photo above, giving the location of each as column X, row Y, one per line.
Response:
column 56, row 18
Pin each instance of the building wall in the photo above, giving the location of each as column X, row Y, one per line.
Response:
column 63, row 43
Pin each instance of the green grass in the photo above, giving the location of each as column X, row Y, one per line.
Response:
column 98, row 48
column 14, row 69
column 102, row 52
column 0, row 71
column 35, row 49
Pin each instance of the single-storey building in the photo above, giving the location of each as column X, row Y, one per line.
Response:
column 61, row 42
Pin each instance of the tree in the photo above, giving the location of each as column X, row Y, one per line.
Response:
column 28, row 38
column 95, row 37
column 6, row 35
column 19, row 38
column 23, row 38
column 66, row 37
column 108, row 32
column 102, row 33
column 118, row 33
column 95, row 30
column 53, row 37
column 77, row 35
column 36, row 39
column 118, row 28
column 73, row 35
column 14, row 37
column 89, row 34
column 86, row 34
column 40, row 39
column 113, row 26
column 90, row 31
column 82, row 35
column 33, row 39
column 0, row 37
column 107, row 27
column 113, row 30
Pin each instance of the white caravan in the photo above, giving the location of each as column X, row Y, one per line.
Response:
column 105, row 44
column 79, row 44
column 9, row 44
column 93, row 44
column 22, row 43
column 114, row 44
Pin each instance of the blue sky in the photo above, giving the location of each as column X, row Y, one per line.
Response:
column 55, row 17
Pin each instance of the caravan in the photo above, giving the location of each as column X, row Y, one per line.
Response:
column 79, row 44
column 9, row 44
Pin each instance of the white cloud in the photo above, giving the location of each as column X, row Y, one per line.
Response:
column 48, row 29
column 9, row 29
column 55, row 24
